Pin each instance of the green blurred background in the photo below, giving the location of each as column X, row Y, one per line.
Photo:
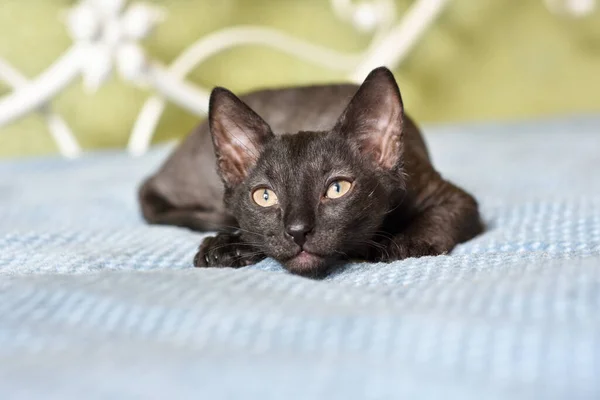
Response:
column 482, row 60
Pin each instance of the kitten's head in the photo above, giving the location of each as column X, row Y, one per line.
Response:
column 312, row 198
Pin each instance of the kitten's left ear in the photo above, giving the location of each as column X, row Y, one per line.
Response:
column 238, row 133
column 374, row 119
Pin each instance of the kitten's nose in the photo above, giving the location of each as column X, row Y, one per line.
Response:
column 298, row 232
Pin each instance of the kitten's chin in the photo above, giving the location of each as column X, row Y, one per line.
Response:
column 307, row 264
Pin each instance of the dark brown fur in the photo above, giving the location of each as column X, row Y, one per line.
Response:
column 402, row 206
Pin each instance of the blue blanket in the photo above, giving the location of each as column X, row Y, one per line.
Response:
column 96, row 304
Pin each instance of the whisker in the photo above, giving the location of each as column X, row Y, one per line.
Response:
column 233, row 244
column 345, row 255
column 397, row 205
column 373, row 191
column 372, row 244
column 256, row 253
column 244, row 230
column 389, row 237
column 384, row 235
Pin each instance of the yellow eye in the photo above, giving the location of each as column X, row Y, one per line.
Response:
column 338, row 189
column 264, row 197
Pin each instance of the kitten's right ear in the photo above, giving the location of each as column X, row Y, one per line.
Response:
column 374, row 119
column 238, row 134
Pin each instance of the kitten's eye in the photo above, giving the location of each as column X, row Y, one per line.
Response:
column 337, row 189
column 264, row 197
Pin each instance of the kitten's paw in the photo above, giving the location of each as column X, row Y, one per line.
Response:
column 226, row 250
column 400, row 248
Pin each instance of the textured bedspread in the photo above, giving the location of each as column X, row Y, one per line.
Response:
column 95, row 304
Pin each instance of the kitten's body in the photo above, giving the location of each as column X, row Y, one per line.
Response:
column 409, row 210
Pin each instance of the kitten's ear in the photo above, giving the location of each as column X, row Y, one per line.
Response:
column 374, row 119
column 238, row 135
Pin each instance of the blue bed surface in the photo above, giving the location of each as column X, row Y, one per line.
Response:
column 94, row 303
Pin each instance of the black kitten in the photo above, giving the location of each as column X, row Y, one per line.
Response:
column 364, row 188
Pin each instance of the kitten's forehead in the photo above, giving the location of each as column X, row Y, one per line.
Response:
column 309, row 153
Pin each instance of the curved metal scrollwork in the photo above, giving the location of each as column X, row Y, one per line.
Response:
column 106, row 35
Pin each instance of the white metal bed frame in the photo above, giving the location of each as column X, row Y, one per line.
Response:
column 106, row 35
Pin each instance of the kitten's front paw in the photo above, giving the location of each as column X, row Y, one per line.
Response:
column 400, row 248
column 226, row 250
